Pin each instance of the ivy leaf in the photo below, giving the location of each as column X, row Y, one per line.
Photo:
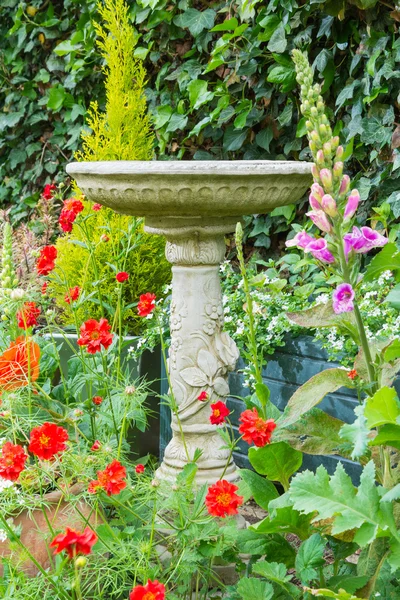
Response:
column 278, row 461
column 195, row 20
column 278, row 41
column 310, row 557
column 382, row 408
column 234, row 138
column 176, row 122
column 56, row 99
column 198, row 94
column 262, row 490
column 264, row 137
column 228, row 25
column 251, row 588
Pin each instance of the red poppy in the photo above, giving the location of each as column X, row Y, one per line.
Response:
column 96, row 446
column 73, row 294
column 12, row 461
column 45, row 263
column 44, row 288
column 256, row 429
column 97, row 400
column 95, row 334
column 19, row 364
column 147, row 303
column 221, row 499
column 139, row 469
column 203, row 396
column 352, row 374
column 153, row 590
column 47, row 440
column 219, row 412
column 122, row 276
column 111, row 480
column 74, row 542
column 27, row 317
column 48, row 191
column 96, row 207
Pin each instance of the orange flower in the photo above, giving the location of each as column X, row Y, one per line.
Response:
column 352, row 374
column 255, row 429
column 95, row 334
column 111, row 480
column 73, row 294
column 12, row 461
column 19, row 364
column 47, row 440
column 219, row 412
column 74, row 542
column 222, row 500
column 146, row 304
column 153, row 590
column 27, row 317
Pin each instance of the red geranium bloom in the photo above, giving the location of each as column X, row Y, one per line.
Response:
column 48, row 191
column 95, row 334
column 139, row 469
column 222, row 500
column 153, row 590
column 74, row 205
column 111, row 480
column 12, row 461
column 27, row 317
column 352, row 374
column 97, row 400
column 122, row 276
column 146, row 305
column 73, row 294
column 219, row 412
column 96, row 206
column 19, row 364
column 47, row 440
column 255, row 429
column 45, row 263
column 203, row 396
column 66, row 219
column 74, row 542
column 96, row 446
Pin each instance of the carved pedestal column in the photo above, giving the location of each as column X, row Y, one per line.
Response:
column 201, row 353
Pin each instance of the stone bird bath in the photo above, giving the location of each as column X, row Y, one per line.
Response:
column 194, row 204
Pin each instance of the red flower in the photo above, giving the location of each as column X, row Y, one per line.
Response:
column 122, row 276
column 47, row 440
column 19, row 364
column 352, row 374
column 45, row 263
column 111, row 480
column 96, row 446
column 139, row 469
column 27, row 317
column 48, row 190
column 74, row 205
column 153, row 590
column 147, row 303
column 203, row 396
column 73, row 294
column 95, row 334
column 104, row 238
column 96, row 207
column 221, row 499
column 74, row 542
column 66, row 219
column 255, row 429
column 44, row 288
column 97, row 400
column 12, row 461
column 219, row 412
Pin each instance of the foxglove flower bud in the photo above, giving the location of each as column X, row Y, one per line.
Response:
column 339, row 152
column 327, row 149
column 326, row 179
column 319, row 218
column 315, row 171
column 309, row 125
column 313, row 146
column 335, row 141
column 344, row 185
column 338, row 169
column 322, row 129
column 314, row 136
column 320, row 158
column 352, row 205
column 313, row 110
column 329, row 205
column 315, row 205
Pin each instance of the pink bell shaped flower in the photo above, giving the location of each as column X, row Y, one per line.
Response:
column 352, row 205
column 363, row 240
column 300, row 240
column 319, row 250
column 319, row 218
column 342, row 298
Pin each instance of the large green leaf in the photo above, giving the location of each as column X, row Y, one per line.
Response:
column 319, row 316
column 357, row 433
column 310, row 557
column 283, row 518
column 389, row 435
column 277, row 573
column 382, row 408
column 326, row 593
column 312, row 393
column 388, row 259
column 262, row 490
column 198, row 93
column 195, row 20
column 278, row 461
column 250, row 588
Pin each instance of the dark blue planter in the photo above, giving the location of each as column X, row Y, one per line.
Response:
column 287, row 369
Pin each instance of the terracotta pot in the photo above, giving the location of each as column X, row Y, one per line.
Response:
column 39, row 527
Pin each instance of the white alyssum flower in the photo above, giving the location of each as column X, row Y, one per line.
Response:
column 322, row 299
column 5, row 484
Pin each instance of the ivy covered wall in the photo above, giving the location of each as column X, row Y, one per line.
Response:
column 221, row 85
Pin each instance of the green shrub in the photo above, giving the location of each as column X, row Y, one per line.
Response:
column 93, row 267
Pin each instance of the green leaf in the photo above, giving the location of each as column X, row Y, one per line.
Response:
column 65, row 48
column 310, row 557
column 382, row 408
column 357, row 433
column 278, row 461
column 269, row 24
column 278, row 41
column 228, row 25
column 276, row 572
column 325, row 593
column 388, row 259
column 312, row 393
column 195, row 20
column 389, row 435
column 250, row 588
column 349, row 583
column 392, row 352
column 176, row 122
column 285, row 76
column 234, row 138
column 321, row 315
column 10, row 119
column 264, row 137
column 56, row 98
column 198, row 94
column 263, row 393
column 262, row 490
column 283, row 518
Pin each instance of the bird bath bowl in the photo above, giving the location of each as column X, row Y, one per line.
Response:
column 194, row 204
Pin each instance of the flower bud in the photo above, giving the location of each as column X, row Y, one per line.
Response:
column 335, row 141
column 155, row 483
column 319, row 218
column 352, row 205
column 315, row 205
column 327, row 149
column 17, row 294
column 315, row 171
column 320, row 158
column 313, row 146
column 329, row 205
column 322, row 129
column 314, row 112
column 80, row 562
column 339, row 152
column 338, row 169
column 309, row 125
column 314, row 136
column 320, row 106
column 344, row 185
column 326, row 179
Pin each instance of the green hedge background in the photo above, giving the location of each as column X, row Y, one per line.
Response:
column 221, row 85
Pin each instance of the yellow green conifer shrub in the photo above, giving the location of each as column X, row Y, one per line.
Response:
column 121, row 132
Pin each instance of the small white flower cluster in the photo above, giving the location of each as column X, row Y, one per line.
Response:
column 5, row 484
